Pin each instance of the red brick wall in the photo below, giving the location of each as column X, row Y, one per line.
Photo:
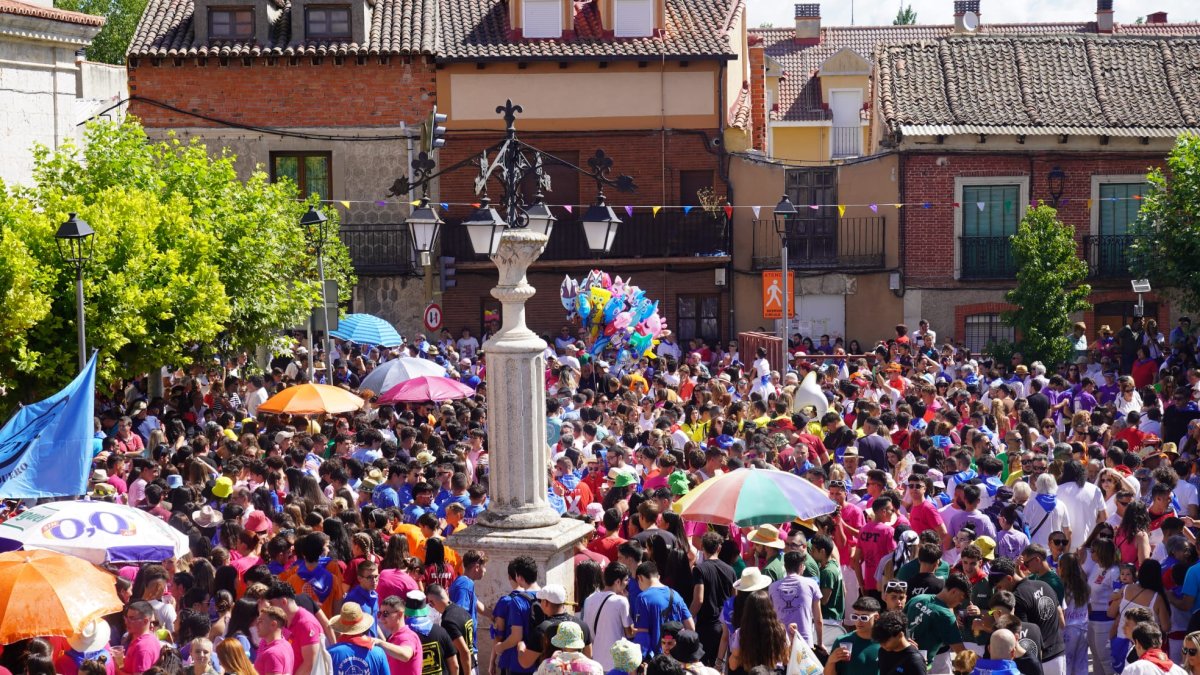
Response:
column 284, row 95
column 544, row 312
column 758, row 93
column 961, row 312
column 930, row 241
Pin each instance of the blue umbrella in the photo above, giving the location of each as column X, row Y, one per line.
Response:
column 366, row 329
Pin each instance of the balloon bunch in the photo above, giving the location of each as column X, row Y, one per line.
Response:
column 619, row 316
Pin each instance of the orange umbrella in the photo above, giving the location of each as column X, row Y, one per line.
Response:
column 311, row 399
column 48, row 593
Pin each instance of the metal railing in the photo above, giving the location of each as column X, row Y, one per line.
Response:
column 986, row 258
column 846, row 141
column 823, row 243
column 1108, row 255
column 379, row 250
column 670, row 234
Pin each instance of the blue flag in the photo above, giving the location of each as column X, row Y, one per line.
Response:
column 46, row 448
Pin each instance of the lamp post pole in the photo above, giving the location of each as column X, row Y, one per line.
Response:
column 80, row 319
column 75, row 239
column 315, row 222
column 785, row 211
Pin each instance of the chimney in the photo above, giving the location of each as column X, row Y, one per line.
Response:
column 962, row 22
column 808, row 23
column 1156, row 17
column 1104, row 16
column 758, row 92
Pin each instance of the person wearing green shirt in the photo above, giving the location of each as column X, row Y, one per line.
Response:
column 933, row 625
column 1034, row 557
column 768, row 551
column 911, row 568
column 856, row 653
column 829, row 578
column 796, row 541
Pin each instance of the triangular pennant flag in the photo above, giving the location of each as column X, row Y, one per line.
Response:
column 380, row 203
column 1089, row 203
column 814, row 207
column 445, row 206
column 687, row 210
column 756, row 209
column 569, row 208
column 1063, row 201
column 728, row 211
column 927, row 205
column 415, row 202
column 981, row 205
column 629, row 210
column 654, row 210
column 476, row 205
column 1032, row 204
column 345, row 203
column 897, row 205
column 875, row 208
column 841, row 210
column 1137, row 197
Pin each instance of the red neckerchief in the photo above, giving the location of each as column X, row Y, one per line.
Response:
column 361, row 640
column 1158, row 658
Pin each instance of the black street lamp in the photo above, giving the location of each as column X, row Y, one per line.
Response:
column 315, row 222
column 1055, row 180
column 785, row 213
column 76, row 244
column 514, row 161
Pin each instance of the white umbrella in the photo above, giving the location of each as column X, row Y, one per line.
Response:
column 399, row 370
column 98, row 532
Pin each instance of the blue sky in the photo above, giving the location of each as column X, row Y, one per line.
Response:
column 781, row 12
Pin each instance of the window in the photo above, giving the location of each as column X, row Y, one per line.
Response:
column 543, row 19
column 328, row 22
column 990, row 214
column 812, row 236
column 634, row 18
column 1117, row 206
column 230, row 23
column 698, row 317
column 986, row 329
column 690, row 184
column 310, row 171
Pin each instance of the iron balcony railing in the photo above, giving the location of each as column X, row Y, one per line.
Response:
column 986, row 258
column 1108, row 255
column 379, row 250
column 846, row 141
column 823, row 243
column 669, row 234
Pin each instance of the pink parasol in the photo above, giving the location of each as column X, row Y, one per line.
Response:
column 426, row 388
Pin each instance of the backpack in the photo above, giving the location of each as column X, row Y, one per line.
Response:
column 536, row 615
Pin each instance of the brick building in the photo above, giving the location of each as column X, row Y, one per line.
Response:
column 329, row 94
column 647, row 81
column 983, row 126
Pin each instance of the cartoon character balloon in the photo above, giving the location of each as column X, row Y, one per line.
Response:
column 623, row 322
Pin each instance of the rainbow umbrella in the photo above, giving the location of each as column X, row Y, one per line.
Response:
column 754, row 497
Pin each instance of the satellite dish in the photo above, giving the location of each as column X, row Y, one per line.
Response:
column 970, row 21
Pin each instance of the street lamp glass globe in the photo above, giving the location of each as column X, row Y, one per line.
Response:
column 75, row 239
column 785, row 211
column 600, row 225
column 424, row 224
column 484, row 228
column 541, row 220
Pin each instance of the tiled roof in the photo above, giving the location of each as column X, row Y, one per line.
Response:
column 23, row 9
column 477, row 30
column 800, row 92
column 397, row 27
column 739, row 112
column 1075, row 85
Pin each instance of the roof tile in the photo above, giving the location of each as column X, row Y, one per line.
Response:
column 37, row 11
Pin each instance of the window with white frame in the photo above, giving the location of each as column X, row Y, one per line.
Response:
column 982, row 330
column 633, row 18
column 543, row 19
column 986, row 217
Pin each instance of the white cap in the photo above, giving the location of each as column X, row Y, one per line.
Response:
column 555, row 594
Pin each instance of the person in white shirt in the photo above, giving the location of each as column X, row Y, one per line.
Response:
column 1151, row 660
column 923, row 330
column 606, row 613
column 668, row 347
column 1045, row 513
column 1084, row 502
column 257, row 395
column 467, row 344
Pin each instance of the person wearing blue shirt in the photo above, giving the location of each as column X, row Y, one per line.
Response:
column 387, row 495
column 350, row 655
column 511, row 615
column 457, row 494
column 364, row 593
column 462, row 590
column 422, row 503
column 656, row 604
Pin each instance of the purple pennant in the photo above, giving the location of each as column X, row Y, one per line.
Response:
column 569, row 208
column 629, row 210
column 875, row 208
column 380, row 203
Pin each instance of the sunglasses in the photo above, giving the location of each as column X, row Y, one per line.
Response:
column 1059, row 542
column 861, row 617
column 900, row 586
column 1190, row 651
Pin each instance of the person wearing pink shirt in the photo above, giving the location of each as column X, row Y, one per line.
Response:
column 923, row 514
column 403, row 645
column 275, row 655
column 876, row 541
column 143, row 649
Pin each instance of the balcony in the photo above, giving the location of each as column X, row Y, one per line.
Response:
column 986, row 258
column 823, row 243
column 379, row 250
column 1107, row 255
column 846, row 142
column 670, row 234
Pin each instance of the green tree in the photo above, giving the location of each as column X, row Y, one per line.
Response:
column 905, row 16
column 1166, row 235
column 189, row 261
column 121, row 19
column 1050, row 285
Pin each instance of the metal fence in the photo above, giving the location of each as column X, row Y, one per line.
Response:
column 827, row 243
column 379, row 250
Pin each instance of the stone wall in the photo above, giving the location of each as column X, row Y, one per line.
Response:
column 399, row 300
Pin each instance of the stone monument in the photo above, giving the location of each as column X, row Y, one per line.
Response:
column 519, row 520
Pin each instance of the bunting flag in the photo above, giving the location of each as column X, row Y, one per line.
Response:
column 728, row 210
column 687, row 210
column 629, row 211
column 1137, row 198
column 874, row 208
column 415, row 202
column 569, row 208
column 380, row 203
column 345, row 204
column 479, row 204
column 655, row 209
column 956, row 204
column 445, row 206
column 897, row 205
column 1089, row 203
column 755, row 209
column 981, row 205
column 1063, row 201
column 814, row 207
column 925, row 205
column 841, row 210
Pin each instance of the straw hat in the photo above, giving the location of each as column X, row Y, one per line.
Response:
column 207, row 516
column 752, row 580
column 352, row 620
column 767, row 535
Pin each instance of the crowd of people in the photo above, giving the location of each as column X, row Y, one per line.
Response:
column 991, row 516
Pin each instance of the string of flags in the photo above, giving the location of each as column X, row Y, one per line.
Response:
column 1007, row 205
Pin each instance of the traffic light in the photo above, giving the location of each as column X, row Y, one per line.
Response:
column 446, row 272
column 433, row 131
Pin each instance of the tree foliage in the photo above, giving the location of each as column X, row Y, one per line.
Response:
column 1050, row 285
column 905, row 16
column 1166, row 236
column 121, row 19
column 189, row 261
